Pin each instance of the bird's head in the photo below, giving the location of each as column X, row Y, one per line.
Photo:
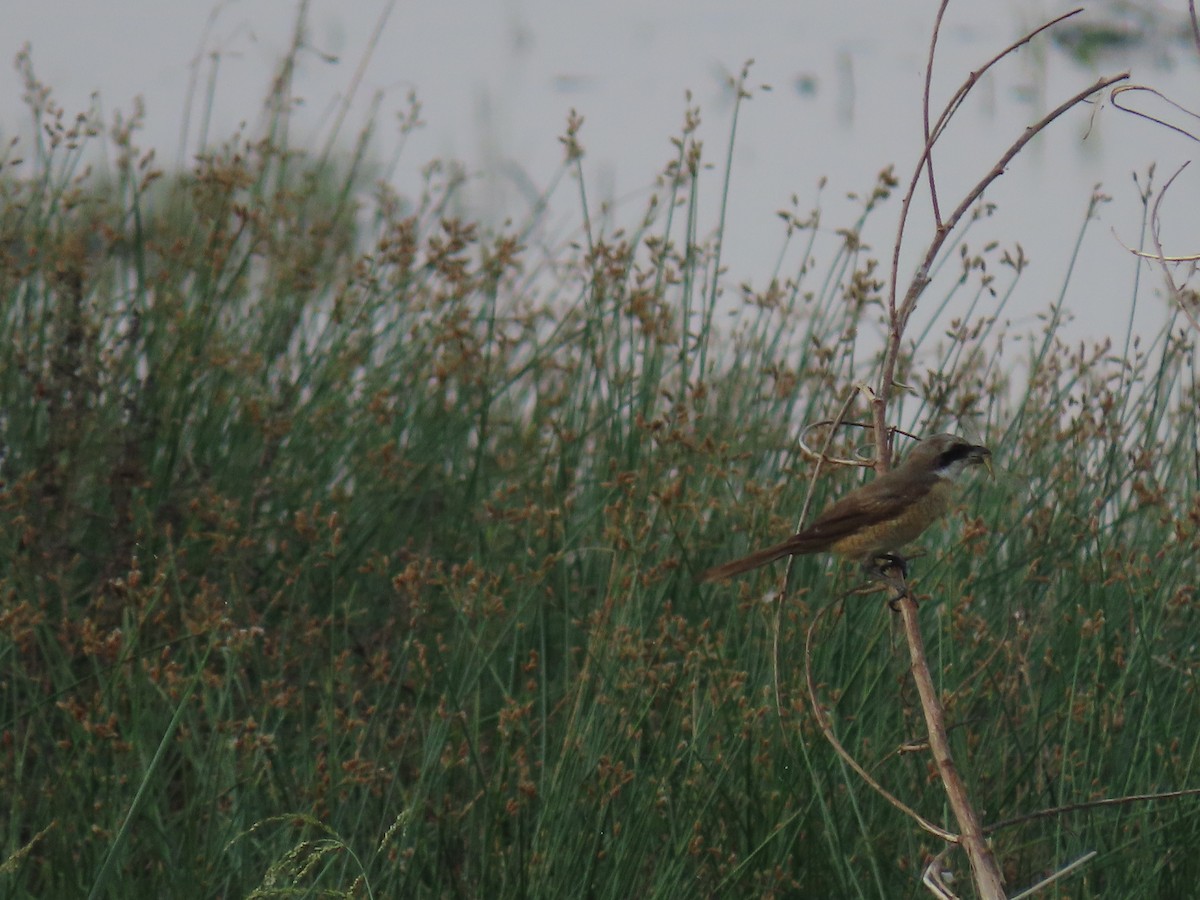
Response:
column 947, row 455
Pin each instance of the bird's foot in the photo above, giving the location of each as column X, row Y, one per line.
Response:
column 890, row 565
column 892, row 569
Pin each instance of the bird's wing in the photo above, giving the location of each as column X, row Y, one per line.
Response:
column 878, row 501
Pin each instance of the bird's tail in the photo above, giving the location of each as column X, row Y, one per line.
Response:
column 747, row 563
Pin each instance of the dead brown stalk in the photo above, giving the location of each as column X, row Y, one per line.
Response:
column 984, row 868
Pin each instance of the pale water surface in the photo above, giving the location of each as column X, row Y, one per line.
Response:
column 497, row 78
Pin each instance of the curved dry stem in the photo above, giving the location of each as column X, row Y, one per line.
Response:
column 1141, row 88
column 821, row 458
column 1160, row 256
column 932, row 876
column 926, row 161
column 822, row 455
column 1156, row 235
column 1155, row 221
column 827, row 731
column 787, row 574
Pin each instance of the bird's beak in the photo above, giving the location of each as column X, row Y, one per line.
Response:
column 983, row 455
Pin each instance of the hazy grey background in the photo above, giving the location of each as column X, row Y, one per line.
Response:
column 497, row 77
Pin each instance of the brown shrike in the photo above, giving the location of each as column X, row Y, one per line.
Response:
column 879, row 518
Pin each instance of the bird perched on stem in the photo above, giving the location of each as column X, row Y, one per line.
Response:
column 876, row 520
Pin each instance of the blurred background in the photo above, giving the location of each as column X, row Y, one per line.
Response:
column 496, row 80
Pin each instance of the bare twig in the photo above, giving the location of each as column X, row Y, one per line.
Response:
column 928, row 158
column 1160, row 256
column 1155, row 221
column 1115, row 99
column 899, row 313
column 1061, row 873
column 1195, row 23
column 827, row 731
column 822, row 455
column 1127, row 800
column 1155, row 235
column 932, row 877
column 931, row 137
column 812, row 486
column 984, row 868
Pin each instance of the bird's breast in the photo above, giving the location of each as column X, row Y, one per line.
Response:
column 893, row 533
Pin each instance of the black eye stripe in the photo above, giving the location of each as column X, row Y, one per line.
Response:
column 954, row 454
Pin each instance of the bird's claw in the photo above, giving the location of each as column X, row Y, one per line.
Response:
column 892, row 569
column 885, row 563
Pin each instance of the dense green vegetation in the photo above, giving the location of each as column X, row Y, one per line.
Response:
column 347, row 548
